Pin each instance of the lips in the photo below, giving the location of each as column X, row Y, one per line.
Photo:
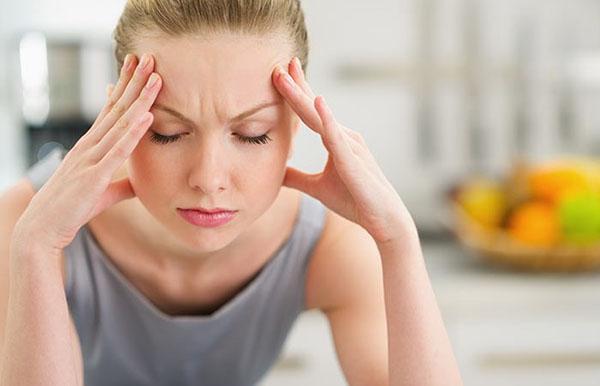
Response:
column 214, row 210
column 209, row 218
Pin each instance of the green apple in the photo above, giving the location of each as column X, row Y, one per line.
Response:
column 579, row 215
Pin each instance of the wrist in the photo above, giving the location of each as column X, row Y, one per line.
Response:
column 31, row 261
column 398, row 228
column 29, row 243
column 402, row 235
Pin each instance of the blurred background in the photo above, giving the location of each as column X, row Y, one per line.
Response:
column 482, row 113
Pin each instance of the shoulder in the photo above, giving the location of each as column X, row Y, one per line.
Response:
column 13, row 202
column 345, row 266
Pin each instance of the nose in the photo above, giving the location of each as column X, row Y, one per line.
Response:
column 209, row 173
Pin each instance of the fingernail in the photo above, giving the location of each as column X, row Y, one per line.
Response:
column 298, row 63
column 145, row 61
column 152, row 81
column 278, row 70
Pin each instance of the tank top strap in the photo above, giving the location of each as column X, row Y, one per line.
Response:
column 312, row 216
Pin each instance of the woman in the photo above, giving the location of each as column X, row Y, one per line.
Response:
column 186, row 247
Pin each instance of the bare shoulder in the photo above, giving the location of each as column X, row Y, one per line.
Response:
column 13, row 202
column 345, row 266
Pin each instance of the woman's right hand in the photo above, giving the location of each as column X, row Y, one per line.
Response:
column 82, row 186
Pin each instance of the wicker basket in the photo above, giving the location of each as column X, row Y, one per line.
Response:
column 498, row 247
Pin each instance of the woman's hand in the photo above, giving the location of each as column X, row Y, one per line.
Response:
column 352, row 184
column 82, row 186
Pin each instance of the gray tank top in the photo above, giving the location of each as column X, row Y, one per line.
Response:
column 126, row 340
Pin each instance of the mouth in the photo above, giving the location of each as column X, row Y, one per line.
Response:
column 213, row 210
column 207, row 218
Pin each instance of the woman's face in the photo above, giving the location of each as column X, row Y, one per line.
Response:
column 217, row 95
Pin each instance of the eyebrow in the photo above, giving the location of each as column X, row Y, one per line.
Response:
column 237, row 118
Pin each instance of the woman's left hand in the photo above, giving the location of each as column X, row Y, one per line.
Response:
column 351, row 184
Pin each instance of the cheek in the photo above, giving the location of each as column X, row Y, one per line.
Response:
column 270, row 161
column 154, row 168
column 150, row 171
column 261, row 171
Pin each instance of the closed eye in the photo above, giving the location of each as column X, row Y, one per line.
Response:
column 260, row 140
column 165, row 139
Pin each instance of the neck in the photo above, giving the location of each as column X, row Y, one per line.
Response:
column 139, row 231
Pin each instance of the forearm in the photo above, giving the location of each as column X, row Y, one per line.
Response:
column 38, row 346
column 419, row 349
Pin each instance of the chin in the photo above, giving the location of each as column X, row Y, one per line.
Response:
column 206, row 247
column 206, row 240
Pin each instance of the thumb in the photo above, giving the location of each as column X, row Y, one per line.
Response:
column 117, row 191
column 304, row 182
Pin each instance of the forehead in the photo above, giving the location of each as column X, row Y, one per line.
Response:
column 227, row 67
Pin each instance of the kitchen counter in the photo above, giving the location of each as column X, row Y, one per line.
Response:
column 506, row 327
column 465, row 284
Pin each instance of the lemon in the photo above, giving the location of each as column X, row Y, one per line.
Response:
column 484, row 200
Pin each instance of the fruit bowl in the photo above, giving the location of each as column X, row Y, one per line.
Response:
column 499, row 248
column 540, row 217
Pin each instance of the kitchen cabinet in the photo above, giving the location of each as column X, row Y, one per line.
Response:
column 516, row 328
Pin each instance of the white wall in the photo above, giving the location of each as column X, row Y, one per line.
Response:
column 383, row 41
column 94, row 19
column 515, row 60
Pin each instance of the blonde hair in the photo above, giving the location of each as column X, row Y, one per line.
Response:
column 183, row 17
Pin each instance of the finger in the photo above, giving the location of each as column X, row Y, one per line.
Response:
column 356, row 140
column 354, row 135
column 113, row 93
column 127, row 72
column 127, row 97
column 125, row 146
column 296, row 72
column 337, row 140
column 136, row 110
column 301, row 103
column 109, row 90
column 299, row 180
column 360, row 148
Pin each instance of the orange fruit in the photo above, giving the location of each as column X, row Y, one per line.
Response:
column 553, row 183
column 552, row 180
column 535, row 223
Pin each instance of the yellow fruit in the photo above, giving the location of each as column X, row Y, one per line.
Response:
column 535, row 223
column 553, row 184
column 554, row 180
column 484, row 201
